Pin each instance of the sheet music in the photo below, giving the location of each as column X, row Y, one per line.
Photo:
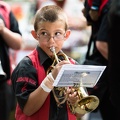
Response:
column 83, row 75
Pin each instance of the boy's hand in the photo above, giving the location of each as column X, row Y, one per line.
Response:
column 57, row 68
column 72, row 95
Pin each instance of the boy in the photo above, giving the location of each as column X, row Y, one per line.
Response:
column 31, row 83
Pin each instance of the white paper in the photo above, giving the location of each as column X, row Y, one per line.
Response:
column 83, row 75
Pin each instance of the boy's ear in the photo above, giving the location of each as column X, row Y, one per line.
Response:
column 67, row 34
column 34, row 34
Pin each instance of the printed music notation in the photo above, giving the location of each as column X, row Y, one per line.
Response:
column 81, row 75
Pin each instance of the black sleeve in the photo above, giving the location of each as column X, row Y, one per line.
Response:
column 103, row 30
column 24, row 80
column 14, row 26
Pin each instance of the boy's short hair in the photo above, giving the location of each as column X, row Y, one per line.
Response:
column 50, row 13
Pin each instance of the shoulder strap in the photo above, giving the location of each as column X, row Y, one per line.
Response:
column 5, row 11
column 89, row 48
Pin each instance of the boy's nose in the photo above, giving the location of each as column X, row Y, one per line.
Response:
column 51, row 38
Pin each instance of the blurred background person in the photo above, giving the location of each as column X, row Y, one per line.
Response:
column 97, row 54
column 10, row 38
column 114, row 60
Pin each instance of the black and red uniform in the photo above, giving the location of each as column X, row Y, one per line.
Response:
column 26, row 77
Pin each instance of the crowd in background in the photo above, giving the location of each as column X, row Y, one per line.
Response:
column 80, row 31
column 90, row 28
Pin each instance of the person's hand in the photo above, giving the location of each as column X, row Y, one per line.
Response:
column 72, row 95
column 2, row 25
column 73, row 99
column 94, row 14
column 57, row 68
column 47, row 83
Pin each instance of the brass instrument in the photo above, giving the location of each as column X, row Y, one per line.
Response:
column 58, row 92
column 85, row 103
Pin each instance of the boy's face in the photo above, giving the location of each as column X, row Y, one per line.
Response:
column 51, row 34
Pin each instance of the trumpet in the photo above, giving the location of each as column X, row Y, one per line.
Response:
column 58, row 92
column 85, row 104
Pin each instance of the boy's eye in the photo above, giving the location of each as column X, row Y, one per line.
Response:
column 58, row 33
column 44, row 34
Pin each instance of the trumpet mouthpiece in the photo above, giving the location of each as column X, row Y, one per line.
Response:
column 52, row 49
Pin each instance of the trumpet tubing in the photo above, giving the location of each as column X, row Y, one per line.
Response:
column 58, row 92
column 53, row 50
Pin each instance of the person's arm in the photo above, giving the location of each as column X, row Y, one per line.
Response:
column 102, row 37
column 12, row 39
column 35, row 101
column 11, row 36
column 29, row 95
column 103, row 48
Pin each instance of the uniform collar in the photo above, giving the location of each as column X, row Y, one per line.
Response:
column 42, row 55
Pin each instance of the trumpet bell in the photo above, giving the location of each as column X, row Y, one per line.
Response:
column 87, row 104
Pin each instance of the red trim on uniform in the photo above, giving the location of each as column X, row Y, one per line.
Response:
column 26, row 79
column 104, row 2
column 43, row 113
